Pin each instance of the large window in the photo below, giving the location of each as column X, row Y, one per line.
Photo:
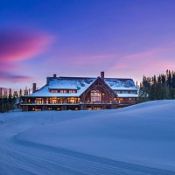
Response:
column 95, row 96
column 53, row 100
column 39, row 101
column 73, row 100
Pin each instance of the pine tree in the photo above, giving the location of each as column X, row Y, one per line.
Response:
column 159, row 87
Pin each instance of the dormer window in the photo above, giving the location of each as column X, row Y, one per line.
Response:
column 63, row 91
column 53, row 91
column 72, row 91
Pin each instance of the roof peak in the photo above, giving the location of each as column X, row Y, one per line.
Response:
column 77, row 77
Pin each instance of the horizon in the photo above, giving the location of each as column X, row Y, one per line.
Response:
column 125, row 39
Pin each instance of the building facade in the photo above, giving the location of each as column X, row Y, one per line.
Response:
column 76, row 93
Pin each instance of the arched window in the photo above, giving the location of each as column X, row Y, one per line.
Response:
column 95, row 96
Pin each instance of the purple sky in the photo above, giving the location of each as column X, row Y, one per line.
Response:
column 124, row 38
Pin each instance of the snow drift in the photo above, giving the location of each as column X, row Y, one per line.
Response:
column 142, row 135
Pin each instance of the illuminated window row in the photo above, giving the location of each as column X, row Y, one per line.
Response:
column 63, row 91
column 55, row 100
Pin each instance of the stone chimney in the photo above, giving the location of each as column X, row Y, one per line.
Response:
column 54, row 75
column 34, row 88
column 102, row 75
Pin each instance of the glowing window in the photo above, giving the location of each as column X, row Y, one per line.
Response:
column 95, row 96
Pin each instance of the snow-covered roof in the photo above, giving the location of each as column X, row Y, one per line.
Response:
column 80, row 84
column 121, row 84
column 63, row 84
column 59, row 83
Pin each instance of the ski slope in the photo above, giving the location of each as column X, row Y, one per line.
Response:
column 137, row 140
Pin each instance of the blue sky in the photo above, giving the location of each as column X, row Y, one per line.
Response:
column 128, row 38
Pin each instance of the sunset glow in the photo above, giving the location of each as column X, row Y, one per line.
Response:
column 81, row 38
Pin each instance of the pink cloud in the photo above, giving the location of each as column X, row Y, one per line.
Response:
column 149, row 62
column 17, row 46
column 22, row 45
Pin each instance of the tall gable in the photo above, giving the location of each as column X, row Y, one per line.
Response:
column 99, row 85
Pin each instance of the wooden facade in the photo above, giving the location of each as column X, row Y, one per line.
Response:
column 93, row 94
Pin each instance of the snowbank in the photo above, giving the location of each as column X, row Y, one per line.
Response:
column 143, row 134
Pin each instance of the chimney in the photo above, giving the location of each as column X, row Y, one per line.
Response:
column 54, row 75
column 34, row 87
column 0, row 92
column 102, row 74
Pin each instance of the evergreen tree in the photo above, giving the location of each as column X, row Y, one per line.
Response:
column 158, row 87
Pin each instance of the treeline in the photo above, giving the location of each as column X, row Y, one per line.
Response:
column 158, row 87
column 9, row 98
column 7, row 103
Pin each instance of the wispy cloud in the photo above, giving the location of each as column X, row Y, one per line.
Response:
column 21, row 45
column 17, row 46
column 5, row 76
column 152, row 61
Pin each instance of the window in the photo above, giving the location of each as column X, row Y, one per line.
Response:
column 39, row 101
column 53, row 90
column 53, row 100
column 72, row 91
column 95, row 96
column 63, row 91
column 72, row 100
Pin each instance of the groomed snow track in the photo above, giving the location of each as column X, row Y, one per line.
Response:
column 39, row 159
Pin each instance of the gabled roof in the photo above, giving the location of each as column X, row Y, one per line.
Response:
column 80, row 84
column 105, row 86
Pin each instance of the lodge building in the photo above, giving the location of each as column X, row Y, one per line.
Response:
column 76, row 93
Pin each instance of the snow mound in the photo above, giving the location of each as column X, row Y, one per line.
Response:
column 142, row 134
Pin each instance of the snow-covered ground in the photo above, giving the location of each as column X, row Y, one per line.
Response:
column 138, row 140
